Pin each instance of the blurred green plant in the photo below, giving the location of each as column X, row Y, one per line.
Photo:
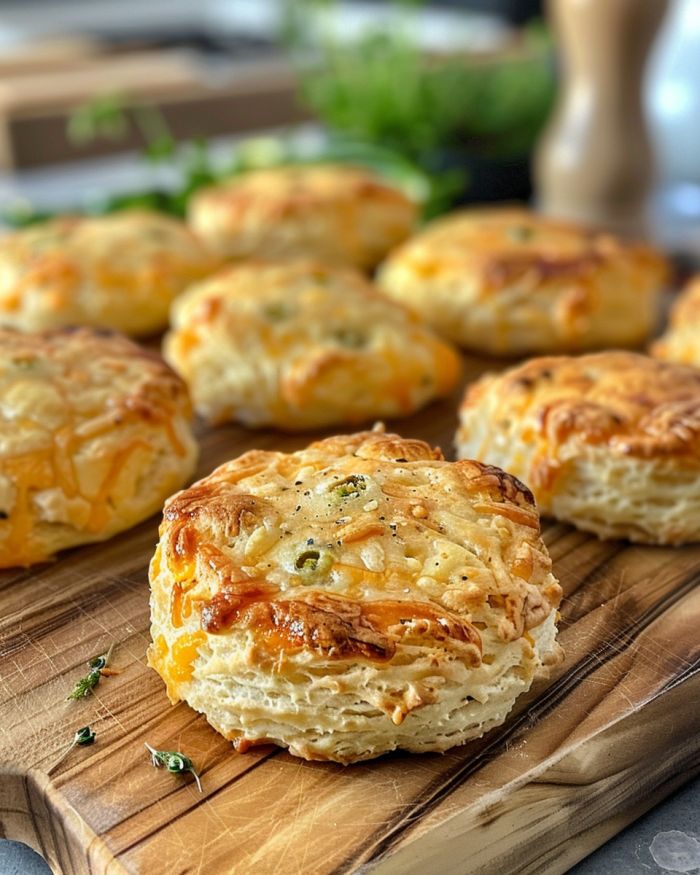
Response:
column 411, row 118
column 382, row 89
column 112, row 116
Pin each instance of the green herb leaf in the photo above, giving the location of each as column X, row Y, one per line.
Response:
column 82, row 738
column 174, row 761
column 29, row 363
column 85, row 736
column 102, row 117
column 308, row 560
column 351, row 487
column 277, row 311
column 163, row 147
column 313, row 563
column 352, row 338
column 87, row 684
column 521, row 233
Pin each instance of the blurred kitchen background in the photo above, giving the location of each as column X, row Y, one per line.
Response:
column 112, row 102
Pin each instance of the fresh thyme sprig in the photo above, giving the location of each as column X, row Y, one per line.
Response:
column 87, row 683
column 82, row 738
column 175, row 762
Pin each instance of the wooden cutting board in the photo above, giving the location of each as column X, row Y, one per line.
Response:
column 612, row 732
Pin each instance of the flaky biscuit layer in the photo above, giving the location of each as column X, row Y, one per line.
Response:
column 506, row 281
column 608, row 441
column 357, row 596
column 302, row 345
column 120, row 271
column 94, row 436
column 340, row 214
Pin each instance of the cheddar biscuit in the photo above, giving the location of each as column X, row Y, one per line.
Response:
column 681, row 340
column 506, row 281
column 94, row 436
column 120, row 271
column 302, row 345
column 355, row 597
column 609, row 442
column 337, row 213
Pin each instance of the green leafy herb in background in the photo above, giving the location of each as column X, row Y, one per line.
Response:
column 385, row 104
column 383, row 89
column 110, row 116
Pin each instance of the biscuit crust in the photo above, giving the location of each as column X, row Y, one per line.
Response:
column 120, row 271
column 609, row 442
column 352, row 598
column 506, row 281
column 681, row 340
column 302, row 345
column 337, row 213
column 94, row 435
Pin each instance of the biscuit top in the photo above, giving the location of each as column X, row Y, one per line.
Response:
column 60, row 391
column 312, row 324
column 505, row 245
column 627, row 402
column 353, row 546
column 124, row 251
column 288, row 305
column 281, row 192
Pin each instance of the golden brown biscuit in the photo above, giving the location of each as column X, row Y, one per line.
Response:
column 94, row 436
column 609, row 442
column 507, row 281
column 339, row 214
column 120, row 271
column 301, row 345
column 681, row 340
column 352, row 598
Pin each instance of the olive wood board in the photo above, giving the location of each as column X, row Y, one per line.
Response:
column 614, row 729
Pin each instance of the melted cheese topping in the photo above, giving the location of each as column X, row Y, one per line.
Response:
column 504, row 244
column 121, row 271
column 338, row 213
column 353, row 549
column 73, row 409
column 634, row 405
column 301, row 345
column 511, row 282
column 176, row 665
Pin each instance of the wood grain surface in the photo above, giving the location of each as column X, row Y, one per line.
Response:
column 614, row 729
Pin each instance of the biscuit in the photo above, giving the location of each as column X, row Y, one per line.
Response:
column 120, row 271
column 94, row 436
column 339, row 214
column 609, row 442
column 506, row 281
column 355, row 597
column 681, row 340
column 302, row 345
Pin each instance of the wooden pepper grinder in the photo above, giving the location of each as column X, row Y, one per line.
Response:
column 594, row 162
